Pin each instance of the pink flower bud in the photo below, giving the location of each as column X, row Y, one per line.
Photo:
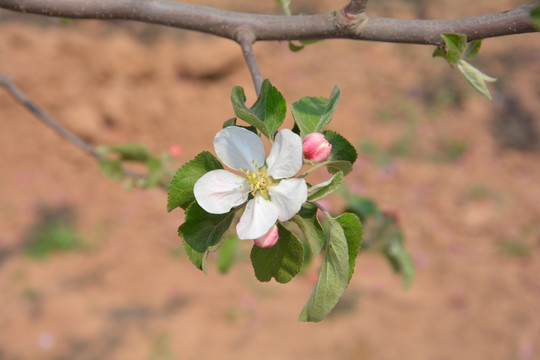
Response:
column 175, row 150
column 269, row 239
column 316, row 147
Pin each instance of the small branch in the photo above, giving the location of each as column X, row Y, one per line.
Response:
column 273, row 27
column 6, row 82
column 245, row 39
column 356, row 7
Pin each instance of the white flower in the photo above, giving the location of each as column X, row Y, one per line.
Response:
column 275, row 196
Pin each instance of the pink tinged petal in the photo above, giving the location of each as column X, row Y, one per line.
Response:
column 316, row 147
column 288, row 195
column 239, row 148
column 218, row 191
column 285, row 158
column 269, row 239
column 258, row 217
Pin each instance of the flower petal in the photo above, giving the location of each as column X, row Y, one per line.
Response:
column 285, row 158
column 218, row 191
column 288, row 196
column 260, row 215
column 239, row 148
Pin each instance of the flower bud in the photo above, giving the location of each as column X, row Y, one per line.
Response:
column 316, row 147
column 269, row 239
column 175, row 150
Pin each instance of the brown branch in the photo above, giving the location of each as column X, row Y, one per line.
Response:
column 356, row 7
column 6, row 82
column 245, row 39
column 273, row 27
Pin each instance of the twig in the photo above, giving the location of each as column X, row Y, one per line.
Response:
column 6, row 82
column 356, row 7
column 245, row 39
column 273, row 27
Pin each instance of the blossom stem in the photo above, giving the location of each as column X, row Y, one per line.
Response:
column 315, row 167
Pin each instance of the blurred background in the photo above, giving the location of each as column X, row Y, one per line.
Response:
column 89, row 271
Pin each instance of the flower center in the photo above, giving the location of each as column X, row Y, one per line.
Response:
column 258, row 182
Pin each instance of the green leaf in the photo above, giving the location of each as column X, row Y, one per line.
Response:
column 325, row 188
column 473, row 48
column 129, row 152
column 232, row 122
column 202, row 231
column 227, row 254
column 156, row 172
column 333, row 277
column 312, row 114
column 342, row 149
column 352, row 228
column 535, row 16
column 475, row 77
column 455, row 46
column 283, row 261
column 111, row 168
column 395, row 252
column 268, row 112
column 363, row 207
column 295, row 48
column 311, row 228
column 181, row 187
column 344, row 166
column 439, row 53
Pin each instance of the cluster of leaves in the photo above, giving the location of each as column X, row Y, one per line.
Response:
column 456, row 51
column 114, row 159
column 338, row 243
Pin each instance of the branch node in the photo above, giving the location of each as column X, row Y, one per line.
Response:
column 350, row 21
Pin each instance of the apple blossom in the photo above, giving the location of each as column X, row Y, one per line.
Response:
column 316, row 147
column 274, row 194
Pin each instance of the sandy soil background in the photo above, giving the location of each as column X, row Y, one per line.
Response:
column 461, row 173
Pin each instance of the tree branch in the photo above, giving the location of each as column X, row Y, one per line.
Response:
column 245, row 39
column 273, row 27
column 6, row 82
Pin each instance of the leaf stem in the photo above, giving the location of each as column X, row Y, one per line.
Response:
column 315, row 167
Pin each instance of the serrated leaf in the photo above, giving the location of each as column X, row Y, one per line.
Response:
column 201, row 231
column 130, row 152
column 325, row 188
column 475, row 77
column 473, row 48
column 227, row 254
column 181, row 187
column 342, row 149
column 268, row 112
column 111, row 168
column 311, row 228
column 455, row 46
column 283, row 261
column 352, row 228
column 535, row 16
column 333, row 277
column 312, row 114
